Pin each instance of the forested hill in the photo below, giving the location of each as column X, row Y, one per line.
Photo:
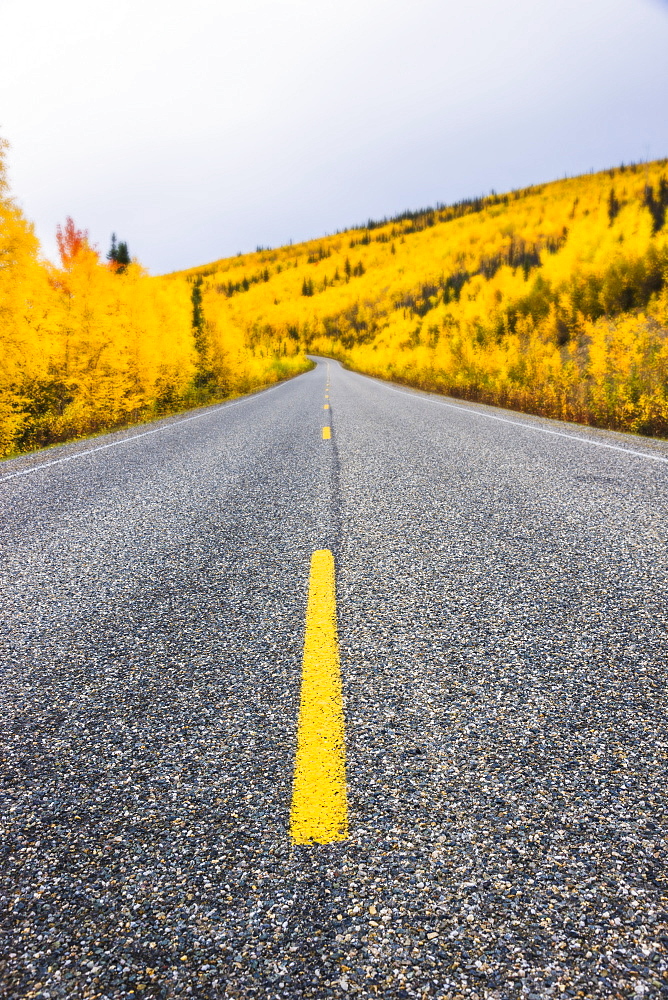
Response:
column 93, row 342
column 552, row 299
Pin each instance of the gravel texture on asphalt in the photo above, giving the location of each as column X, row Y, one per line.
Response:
column 502, row 599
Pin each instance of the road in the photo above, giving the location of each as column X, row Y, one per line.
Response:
column 501, row 593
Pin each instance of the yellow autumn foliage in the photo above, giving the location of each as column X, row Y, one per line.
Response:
column 551, row 299
column 86, row 347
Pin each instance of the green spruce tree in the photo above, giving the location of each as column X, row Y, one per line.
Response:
column 123, row 257
column 113, row 251
column 118, row 255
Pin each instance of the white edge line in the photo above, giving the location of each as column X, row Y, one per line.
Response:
column 135, row 437
column 516, row 423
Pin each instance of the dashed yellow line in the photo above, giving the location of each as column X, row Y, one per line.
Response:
column 326, row 433
column 326, row 406
column 319, row 813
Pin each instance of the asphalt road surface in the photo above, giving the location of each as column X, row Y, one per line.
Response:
column 501, row 593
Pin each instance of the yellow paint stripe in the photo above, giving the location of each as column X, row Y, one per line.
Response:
column 319, row 813
column 326, row 406
column 326, row 433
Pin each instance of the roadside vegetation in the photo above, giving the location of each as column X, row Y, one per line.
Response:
column 95, row 343
column 552, row 299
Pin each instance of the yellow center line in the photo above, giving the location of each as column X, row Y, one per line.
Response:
column 319, row 813
column 326, row 433
column 326, row 406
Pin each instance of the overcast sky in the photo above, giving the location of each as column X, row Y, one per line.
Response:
column 196, row 131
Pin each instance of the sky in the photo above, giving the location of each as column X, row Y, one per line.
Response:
column 199, row 131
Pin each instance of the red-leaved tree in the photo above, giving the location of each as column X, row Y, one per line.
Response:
column 71, row 242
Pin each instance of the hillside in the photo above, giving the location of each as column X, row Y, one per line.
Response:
column 551, row 299
column 92, row 343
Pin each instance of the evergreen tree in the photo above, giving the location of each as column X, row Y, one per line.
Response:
column 657, row 206
column 198, row 315
column 118, row 255
column 122, row 257
column 205, row 377
column 613, row 206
